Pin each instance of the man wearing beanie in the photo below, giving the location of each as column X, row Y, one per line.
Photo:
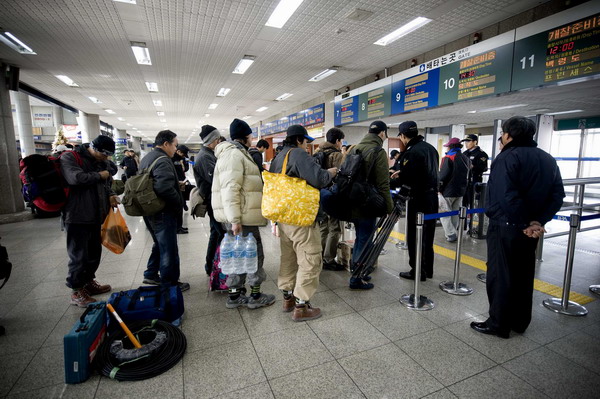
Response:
column 204, row 169
column 418, row 170
column 375, row 160
column 236, row 200
column 90, row 197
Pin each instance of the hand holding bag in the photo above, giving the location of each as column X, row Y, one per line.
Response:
column 289, row 200
column 115, row 234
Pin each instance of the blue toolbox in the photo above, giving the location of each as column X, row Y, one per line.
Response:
column 83, row 341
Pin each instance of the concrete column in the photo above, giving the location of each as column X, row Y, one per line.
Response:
column 329, row 112
column 11, row 200
column 497, row 133
column 24, row 124
column 457, row 131
column 57, row 116
column 544, row 131
column 136, row 143
column 90, row 126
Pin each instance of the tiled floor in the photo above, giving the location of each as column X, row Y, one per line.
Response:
column 365, row 345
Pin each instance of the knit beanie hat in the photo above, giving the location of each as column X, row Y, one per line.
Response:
column 103, row 144
column 239, row 129
column 208, row 134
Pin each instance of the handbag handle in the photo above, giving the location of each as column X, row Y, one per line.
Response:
column 285, row 160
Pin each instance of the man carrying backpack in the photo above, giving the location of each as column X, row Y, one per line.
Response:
column 329, row 155
column 90, row 198
column 375, row 172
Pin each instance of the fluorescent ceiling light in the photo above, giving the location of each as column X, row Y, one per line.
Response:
column 121, row 119
column 213, row 106
column 324, row 74
column 134, row 128
column 126, row 1
column 206, row 115
column 152, row 87
column 128, row 124
column 13, row 42
column 573, row 111
column 67, row 80
column 283, row 12
column 244, row 64
column 247, row 117
column 223, row 91
column 109, row 111
column 284, row 96
column 163, row 120
column 403, row 31
column 497, row 108
column 142, row 55
column 157, row 103
column 160, row 113
column 95, row 100
column 261, row 109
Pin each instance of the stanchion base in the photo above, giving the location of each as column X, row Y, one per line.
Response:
column 460, row 289
column 482, row 277
column 595, row 289
column 424, row 303
column 401, row 245
column 573, row 309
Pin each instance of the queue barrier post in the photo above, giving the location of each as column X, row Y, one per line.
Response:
column 403, row 244
column 539, row 250
column 563, row 305
column 456, row 287
column 416, row 301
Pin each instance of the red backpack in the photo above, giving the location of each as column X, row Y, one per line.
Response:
column 43, row 182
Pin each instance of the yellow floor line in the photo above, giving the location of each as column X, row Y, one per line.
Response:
column 539, row 285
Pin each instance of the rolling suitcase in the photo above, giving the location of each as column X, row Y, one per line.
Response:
column 82, row 342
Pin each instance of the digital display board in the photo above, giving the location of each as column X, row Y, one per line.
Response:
column 375, row 103
column 315, row 115
column 311, row 116
column 420, row 91
column 566, row 52
column 346, row 111
column 297, row 118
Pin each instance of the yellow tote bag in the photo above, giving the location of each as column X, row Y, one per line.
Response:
column 289, row 200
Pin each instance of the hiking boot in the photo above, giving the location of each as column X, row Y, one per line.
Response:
column 95, row 288
column 81, row 298
column 288, row 304
column 183, row 286
column 242, row 300
column 305, row 312
column 262, row 300
column 359, row 284
column 151, row 281
column 333, row 266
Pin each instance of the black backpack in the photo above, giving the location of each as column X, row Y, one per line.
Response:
column 321, row 157
column 5, row 266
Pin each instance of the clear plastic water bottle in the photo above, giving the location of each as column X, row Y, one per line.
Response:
column 238, row 255
column 226, row 250
column 250, row 254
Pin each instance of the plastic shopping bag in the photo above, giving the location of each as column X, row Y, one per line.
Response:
column 442, row 204
column 115, row 234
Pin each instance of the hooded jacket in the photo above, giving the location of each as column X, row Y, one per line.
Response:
column 237, row 186
column 454, row 174
column 166, row 183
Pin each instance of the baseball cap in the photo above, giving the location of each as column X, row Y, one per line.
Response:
column 470, row 137
column 377, row 127
column 407, row 126
column 299, row 130
column 452, row 141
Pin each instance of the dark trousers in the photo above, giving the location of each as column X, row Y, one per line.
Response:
column 509, row 278
column 216, row 235
column 84, row 247
column 427, row 204
column 364, row 228
column 164, row 259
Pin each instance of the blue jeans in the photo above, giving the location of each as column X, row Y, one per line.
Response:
column 364, row 228
column 165, row 253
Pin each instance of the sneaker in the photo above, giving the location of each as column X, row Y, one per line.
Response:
column 452, row 238
column 183, row 286
column 242, row 300
column 358, row 284
column 81, row 298
column 305, row 312
column 288, row 304
column 262, row 300
column 151, row 281
column 333, row 266
column 95, row 288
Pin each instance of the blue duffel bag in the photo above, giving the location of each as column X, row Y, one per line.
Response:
column 149, row 303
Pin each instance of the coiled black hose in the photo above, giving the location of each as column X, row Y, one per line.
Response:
column 151, row 365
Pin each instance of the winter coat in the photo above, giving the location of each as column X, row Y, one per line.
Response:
column 88, row 201
column 301, row 165
column 454, row 173
column 380, row 173
column 479, row 161
column 166, row 183
column 180, row 166
column 204, row 169
column 333, row 156
column 525, row 185
column 258, row 158
column 419, row 168
column 131, row 164
column 237, row 186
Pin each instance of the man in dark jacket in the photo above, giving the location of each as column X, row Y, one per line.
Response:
column 419, row 171
column 181, row 166
column 89, row 201
column 204, row 169
column 479, row 165
column 129, row 165
column 453, row 184
column 164, row 259
column 525, row 191
column 375, row 162
column 257, row 153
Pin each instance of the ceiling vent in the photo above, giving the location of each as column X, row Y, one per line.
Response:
column 359, row 15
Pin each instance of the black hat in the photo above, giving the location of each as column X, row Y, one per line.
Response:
column 183, row 148
column 299, row 130
column 239, row 129
column 103, row 144
column 377, row 127
column 208, row 134
column 470, row 137
column 408, row 126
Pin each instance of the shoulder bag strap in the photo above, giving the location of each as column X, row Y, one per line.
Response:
column 285, row 160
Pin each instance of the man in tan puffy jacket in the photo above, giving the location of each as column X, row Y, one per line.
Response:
column 236, row 199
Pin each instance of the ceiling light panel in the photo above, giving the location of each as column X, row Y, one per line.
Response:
column 109, row 111
column 223, row 91
column 261, row 109
column 15, row 43
column 160, row 113
column 157, row 103
column 284, row 10
column 152, row 87
column 95, row 100
column 284, row 96
column 213, row 106
column 322, row 75
column 403, row 31
column 244, row 64
column 67, row 80
column 141, row 52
